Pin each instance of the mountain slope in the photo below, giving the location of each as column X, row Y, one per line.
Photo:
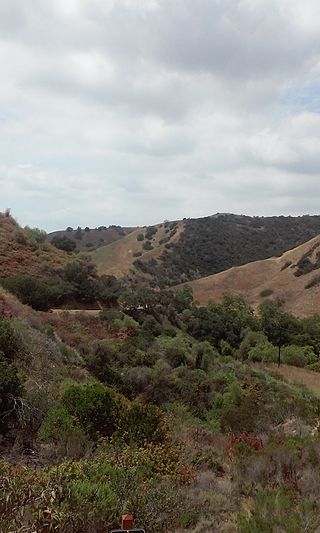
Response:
column 193, row 248
column 138, row 251
column 214, row 244
column 26, row 251
column 294, row 277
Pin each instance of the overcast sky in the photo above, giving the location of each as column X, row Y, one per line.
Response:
column 134, row 111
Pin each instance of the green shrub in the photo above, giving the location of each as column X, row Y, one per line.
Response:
column 60, row 429
column 140, row 237
column 95, row 407
column 10, row 389
column 141, row 424
column 279, row 510
column 10, row 344
column 298, row 355
column 30, row 291
column 176, row 350
column 315, row 367
column 264, row 352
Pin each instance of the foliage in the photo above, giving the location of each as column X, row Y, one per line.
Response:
column 141, row 424
column 201, row 249
column 10, row 388
column 10, row 345
column 95, row 407
column 61, row 429
column 30, row 291
column 63, row 243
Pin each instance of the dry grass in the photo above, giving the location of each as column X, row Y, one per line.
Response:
column 297, row 376
column 17, row 256
column 252, row 279
column 118, row 257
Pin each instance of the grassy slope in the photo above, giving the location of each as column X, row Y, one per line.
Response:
column 117, row 258
column 17, row 256
column 299, row 376
column 251, row 279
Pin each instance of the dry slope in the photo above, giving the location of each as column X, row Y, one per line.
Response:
column 20, row 254
column 122, row 256
column 293, row 277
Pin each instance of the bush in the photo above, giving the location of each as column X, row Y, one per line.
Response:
column 298, row 355
column 264, row 352
column 59, row 428
column 63, row 243
column 142, row 424
column 10, row 388
column 95, row 407
column 35, row 236
column 10, row 345
column 279, row 510
column 150, row 232
column 140, row 237
column 147, row 245
column 30, row 291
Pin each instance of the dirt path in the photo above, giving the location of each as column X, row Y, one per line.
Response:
column 87, row 312
column 297, row 375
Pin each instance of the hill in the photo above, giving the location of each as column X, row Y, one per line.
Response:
column 138, row 251
column 294, row 278
column 177, row 252
column 90, row 238
column 27, row 251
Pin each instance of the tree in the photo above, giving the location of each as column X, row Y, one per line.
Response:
column 279, row 327
column 78, row 234
column 64, row 243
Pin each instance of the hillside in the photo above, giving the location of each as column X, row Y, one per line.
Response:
column 168, row 417
column 27, row 251
column 138, row 251
column 90, row 238
column 294, row 278
column 214, row 244
column 194, row 248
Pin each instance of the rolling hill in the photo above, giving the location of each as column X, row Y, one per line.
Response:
column 177, row 252
column 293, row 277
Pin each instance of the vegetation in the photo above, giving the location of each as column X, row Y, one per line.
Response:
column 201, row 249
column 153, row 406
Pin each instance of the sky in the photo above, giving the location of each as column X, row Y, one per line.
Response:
column 131, row 112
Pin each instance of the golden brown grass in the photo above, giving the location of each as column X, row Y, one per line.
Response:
column 267, row 275
column 118, row 257
column 297, row 376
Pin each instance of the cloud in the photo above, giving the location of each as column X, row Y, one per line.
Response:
column 133, row 111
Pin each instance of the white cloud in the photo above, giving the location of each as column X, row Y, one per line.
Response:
column 132, row 111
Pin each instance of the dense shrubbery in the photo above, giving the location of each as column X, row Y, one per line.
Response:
column 31, row 291
column 64, row 243
column 172, row 415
